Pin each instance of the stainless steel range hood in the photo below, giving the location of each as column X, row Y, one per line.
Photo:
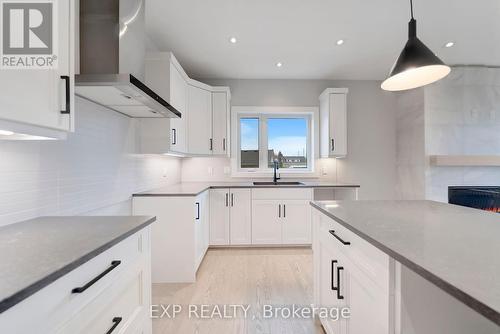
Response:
column 112, row 52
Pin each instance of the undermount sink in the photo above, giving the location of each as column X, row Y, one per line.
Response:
column 278, row 183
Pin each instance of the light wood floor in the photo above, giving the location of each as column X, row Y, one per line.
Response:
column 254, row 277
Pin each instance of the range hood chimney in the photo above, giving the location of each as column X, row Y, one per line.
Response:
column 112, row 53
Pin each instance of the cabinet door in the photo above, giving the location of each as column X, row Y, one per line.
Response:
column 202, row 216
column 266, row 222
column 296, row 222
column 178, row 98
column 338, row 125
column 220, row 123
column 38, row 96
column 219, row 217
column 199, row 121
column 327, row 280
column 241, row 217
column 368, row 303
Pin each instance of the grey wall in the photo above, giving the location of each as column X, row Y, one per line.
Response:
column 371, row 159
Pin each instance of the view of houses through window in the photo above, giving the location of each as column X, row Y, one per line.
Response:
column 285, row 139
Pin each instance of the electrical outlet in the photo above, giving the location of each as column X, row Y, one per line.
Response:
column 324, row 171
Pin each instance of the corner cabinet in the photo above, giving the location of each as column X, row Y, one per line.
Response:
column 202, row 130
column 34, row 100
column 333, row 123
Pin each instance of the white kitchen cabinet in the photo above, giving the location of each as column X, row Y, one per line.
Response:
column 221, row 121
column 180, row 236
column 296, row 222
column 281, row 216
column 333, row 122
column 200, row 140
column 43, row 97
column 201, row 220
column 219, row 217
column 167, row 78
column 266, row 222
column 120, row 296
column 349, row 272
column 230, row 217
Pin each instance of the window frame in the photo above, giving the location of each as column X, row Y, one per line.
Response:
column 264, row 113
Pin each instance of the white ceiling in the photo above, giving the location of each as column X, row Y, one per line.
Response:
column 302, row 34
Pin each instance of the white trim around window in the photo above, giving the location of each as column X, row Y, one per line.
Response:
column 263, row 113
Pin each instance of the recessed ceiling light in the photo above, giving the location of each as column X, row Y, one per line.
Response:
column 449, row 44
column 6, row 133
column 233, row 40
column 340, row 42
column 279, row 64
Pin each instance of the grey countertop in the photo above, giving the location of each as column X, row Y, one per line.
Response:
column 36, row 252
column 456, row 248
column 195, row 188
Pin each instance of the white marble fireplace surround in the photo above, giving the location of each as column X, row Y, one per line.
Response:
column 459, row 115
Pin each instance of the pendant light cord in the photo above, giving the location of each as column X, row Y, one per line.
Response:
column 411, row 8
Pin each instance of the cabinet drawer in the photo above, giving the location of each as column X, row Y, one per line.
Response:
column 56, row 303
column 370, row 260
column 117, row 307
column 282, row 194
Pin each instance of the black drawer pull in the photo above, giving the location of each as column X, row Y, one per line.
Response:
column 334, row 288
column 198, row 210
column 227, row 200
column 67, row 109
column 116, row 322
column 333, row 145
column 174, row 137
column 339, row 269
column 114, row 264
column 332, row 232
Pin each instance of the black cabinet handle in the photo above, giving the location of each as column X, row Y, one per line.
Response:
column 284, row 210
column 227, row 199
column 332, row 232
column 279, row 210
column 67, row 110
column 334, row 288
column 174, row 136
column 198, row 210
column 224, row 144
column 339, row 269
column 116, row 322
column 114, row 264
column 333, row 144
column 232, row 199
column 211, row 144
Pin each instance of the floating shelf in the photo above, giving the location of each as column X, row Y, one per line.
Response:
column 465, row 160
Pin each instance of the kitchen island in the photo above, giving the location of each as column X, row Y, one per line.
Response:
column 455, row 248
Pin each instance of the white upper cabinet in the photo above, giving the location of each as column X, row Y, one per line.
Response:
column 200, row 140
column 203, row 129
column 220, row 121
column 166, row 77
column 333, row 122
column 41, row 98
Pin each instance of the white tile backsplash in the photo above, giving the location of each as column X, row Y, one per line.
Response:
column 94, row 171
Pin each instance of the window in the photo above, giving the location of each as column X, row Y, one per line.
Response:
column 265, row 137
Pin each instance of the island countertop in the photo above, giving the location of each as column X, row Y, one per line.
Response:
column 196, row 188
column 456, row 248
column 36, row 252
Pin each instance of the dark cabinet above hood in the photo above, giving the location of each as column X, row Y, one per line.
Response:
column 112, row 52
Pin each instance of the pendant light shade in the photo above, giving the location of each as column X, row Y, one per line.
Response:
column 416, row 66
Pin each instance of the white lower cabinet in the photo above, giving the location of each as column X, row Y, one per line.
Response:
column 349, row 272
column 281, row 216
column 180, row 236
column 230, row 217
column 120, row 299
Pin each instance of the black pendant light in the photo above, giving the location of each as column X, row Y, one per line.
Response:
column 416, row 66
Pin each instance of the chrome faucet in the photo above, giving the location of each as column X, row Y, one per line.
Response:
column 276, row 167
